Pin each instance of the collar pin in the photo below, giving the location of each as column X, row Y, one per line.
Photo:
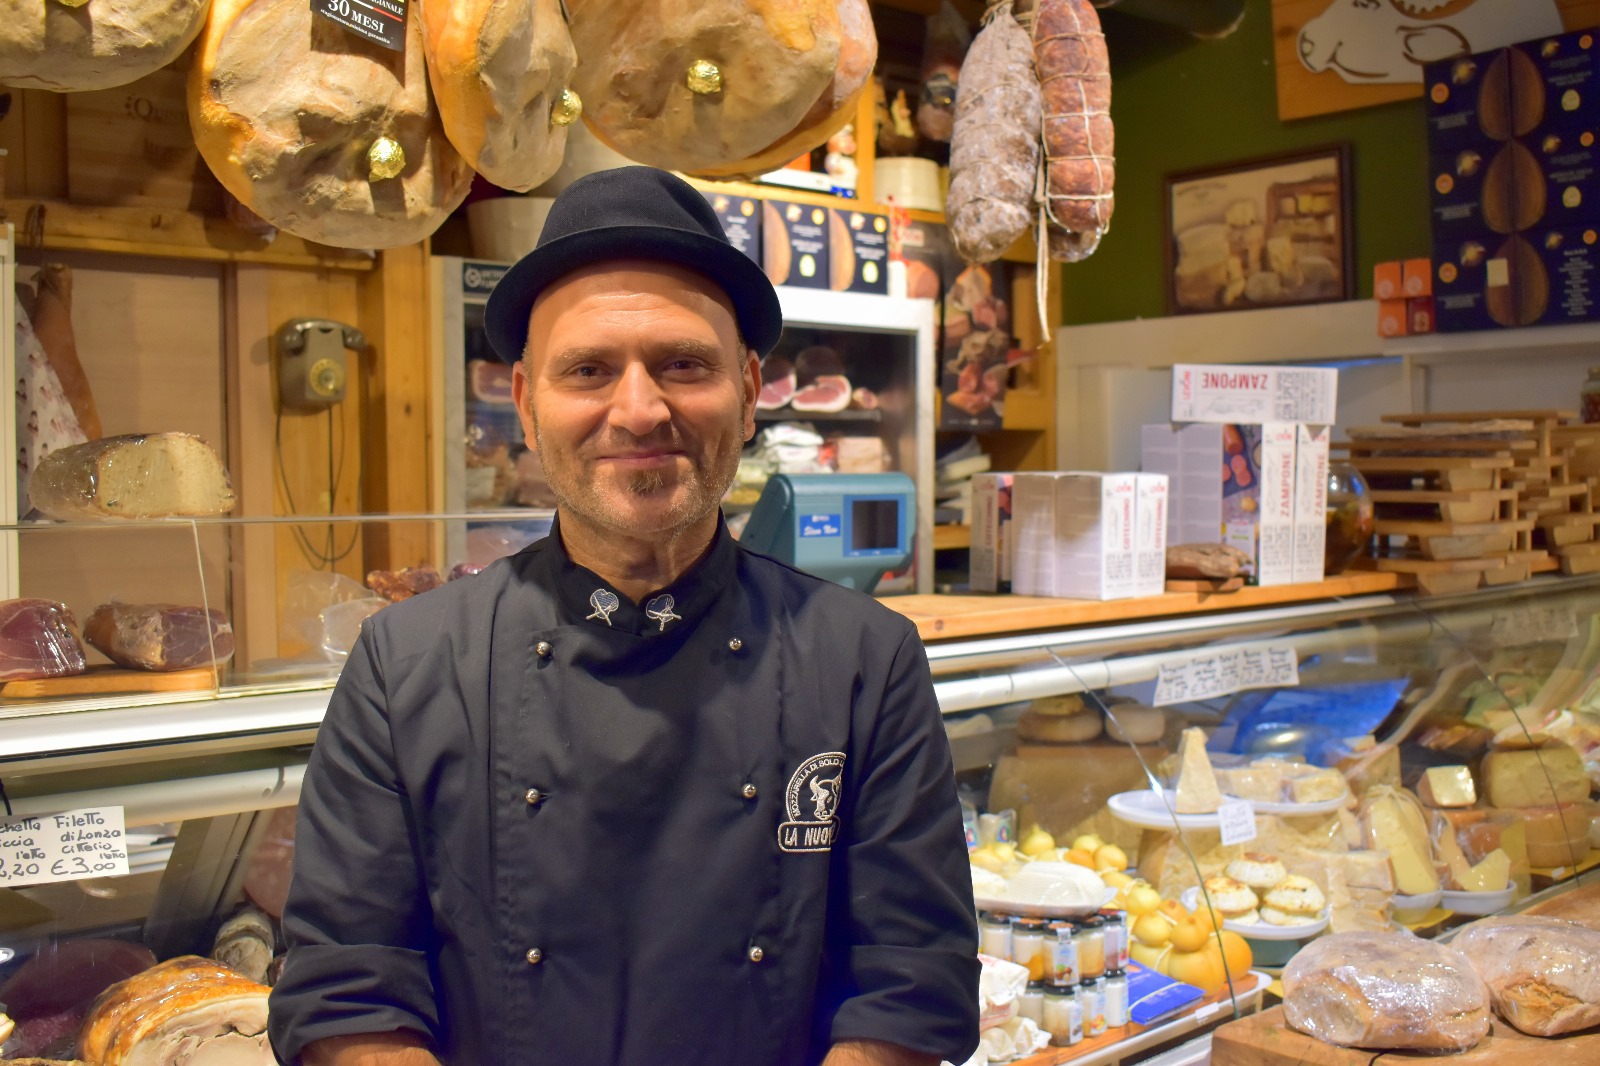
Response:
column 604, row 602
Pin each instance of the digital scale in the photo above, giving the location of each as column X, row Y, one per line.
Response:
column 848, row 528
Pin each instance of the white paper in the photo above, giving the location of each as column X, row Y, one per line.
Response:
column 1216, row 393
column 1533, row 625
column 1238, row 822
column 1220, row 673
column 70, row 846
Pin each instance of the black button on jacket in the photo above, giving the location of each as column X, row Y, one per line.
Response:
column 550, row 854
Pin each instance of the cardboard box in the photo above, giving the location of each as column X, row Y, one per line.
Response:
column 1232, row 394
column 1452, row 90
column 1251, row 508
column 1393, row 318
column 1419, row 315
column 1540, row 277
column 1150, row 535
column 794, row 244
column 858, row 251
column 1417, row 277
column 1074, row 534
column 1311, row 501
column 1387, row 283
column 992, row 533
column 741, row 221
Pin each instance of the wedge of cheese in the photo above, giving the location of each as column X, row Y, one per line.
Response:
column 1264, row 784
column 1197, row 783
column 1447, row 786
column 1394, row 822
column 1538, row 778
column 1315, row 786
column 1481, row 831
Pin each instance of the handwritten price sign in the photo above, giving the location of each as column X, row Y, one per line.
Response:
column 89, row 842
column 1221, row 673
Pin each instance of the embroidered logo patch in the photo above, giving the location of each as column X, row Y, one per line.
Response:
column 812, row 803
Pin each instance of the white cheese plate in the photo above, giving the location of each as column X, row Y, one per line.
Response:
column 1146, row 809
column 1005, row 905
column 1476, row 904
column 1263, row 930
column 1414, row 904
column 1295, row 809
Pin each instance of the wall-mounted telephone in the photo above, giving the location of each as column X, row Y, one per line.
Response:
column 312, row 363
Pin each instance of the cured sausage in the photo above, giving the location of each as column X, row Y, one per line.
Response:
column 994, row 151
column 1079, row 144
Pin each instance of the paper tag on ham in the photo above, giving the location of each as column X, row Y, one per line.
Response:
column 70, row 846
column 383, row 21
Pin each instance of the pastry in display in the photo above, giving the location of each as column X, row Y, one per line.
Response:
column 1197, row 784
column 1257, row 870
column 1543, row 974
column 499, row 71
column 38, row 639
column 136, row 475
column 160, row 636
column 1296, row 900
column 348, row 152
column 1232, row 899
column 1385, row 991
column 94, row 44
column 187, row 1006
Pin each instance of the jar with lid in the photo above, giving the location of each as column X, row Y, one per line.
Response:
column 1116, row 999
column 1063, row 1016
column 1116, row 940
column 994, row 935
column 1063, row 954
column 1030, row 1004
column 1091, row 948
column 1028, row 946
column 1092, row 1001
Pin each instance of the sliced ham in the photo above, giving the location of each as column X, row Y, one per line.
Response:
column 777, row 383
column 66, row 47
column 188, row 1009
column 160, row 636
column 828, row 394
column 38, row 640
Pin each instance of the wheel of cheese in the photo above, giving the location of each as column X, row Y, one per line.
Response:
column 497, row 67
column 773, row 60
column 45, row 44
column 285, row 107
column 1058, row 728
column 1134, row 724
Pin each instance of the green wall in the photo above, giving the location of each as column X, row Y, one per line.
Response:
column 1181, row 103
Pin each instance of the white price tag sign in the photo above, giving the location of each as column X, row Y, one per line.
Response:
column 70, row 846
column 1220, row 673
column 1533, row 625
column 1238, row 821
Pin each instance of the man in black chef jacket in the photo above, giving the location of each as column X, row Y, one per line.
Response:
column 634, row 795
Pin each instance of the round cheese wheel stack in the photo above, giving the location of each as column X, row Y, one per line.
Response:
column 285, row 107
column 496, row 68
column 45, row 44
column 774, row 59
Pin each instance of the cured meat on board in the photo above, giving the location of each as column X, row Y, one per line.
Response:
column 499, row 69
column 160, row 636
column 1079, row 144
column 38, row 639
column 348, row 151
column 994, row 152
column 697, row 84
column 46, row 44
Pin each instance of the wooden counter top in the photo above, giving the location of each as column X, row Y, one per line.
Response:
column 961, row 617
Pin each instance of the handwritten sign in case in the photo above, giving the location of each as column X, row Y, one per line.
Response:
column 70, row 846
column 1220, row 673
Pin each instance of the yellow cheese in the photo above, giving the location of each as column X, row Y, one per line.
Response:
column 1447, row 786
column 1493, row 874
column 1457, row 869
column 1394, row 822
column 1317, row 786
column 1197, row 784
column 1264, row 784
column 1527, row 778
column 1480, row 831
column 1557, row 836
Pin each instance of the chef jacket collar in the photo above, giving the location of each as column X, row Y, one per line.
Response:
column 587, row 598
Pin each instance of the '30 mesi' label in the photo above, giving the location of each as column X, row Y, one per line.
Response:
column 70, row 846
column 383, row 21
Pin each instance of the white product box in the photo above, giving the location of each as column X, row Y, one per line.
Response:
column 1311, row 501
column 1202, row 393
column 1274, row 536
column 1150, row 535
column 992, row 533
column 1074, row 534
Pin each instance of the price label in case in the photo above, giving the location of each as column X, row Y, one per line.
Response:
column 1220, row 673
column 1238, row 821
column 70, row 846
column 383, row 21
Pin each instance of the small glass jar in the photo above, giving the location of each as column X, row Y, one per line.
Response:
column 1116, row 999
column 1116, row 940
column 1092, row 1001
column 994, row 935
column 1349, row 521
column 1030, row 1004
column 1028, row 946
column 1091, row 949
column 1063, row 1016
column 1064, row 954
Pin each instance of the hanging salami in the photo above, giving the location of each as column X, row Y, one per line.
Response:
column 1079, row 145
column 994, row 151
column 98, row 44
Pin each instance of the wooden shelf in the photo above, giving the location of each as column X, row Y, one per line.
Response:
column 952, row 617
column 164, row 232
column 951, row 536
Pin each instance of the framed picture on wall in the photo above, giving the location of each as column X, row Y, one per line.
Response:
column 1261, row 233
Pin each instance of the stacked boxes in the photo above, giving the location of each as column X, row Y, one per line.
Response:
column 1404, row 291
column 1515, row 182
column 1082, row 535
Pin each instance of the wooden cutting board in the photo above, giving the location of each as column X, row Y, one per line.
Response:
column 1266, row 1040
column 105, row 680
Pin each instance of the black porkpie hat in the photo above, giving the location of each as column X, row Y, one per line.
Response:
column 631, row 213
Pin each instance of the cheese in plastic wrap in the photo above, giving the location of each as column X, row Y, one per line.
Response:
column 1000, row 987
column 1543, row 974
column 1385, row 990
column 136, row 475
